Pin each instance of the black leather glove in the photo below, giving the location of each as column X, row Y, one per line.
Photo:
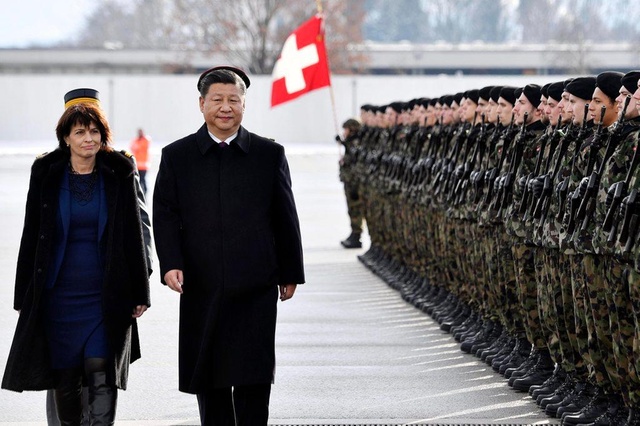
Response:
column 582, row 187
column 338, row 138
column 522, row 183
column 611, row 193
column 536, row 185
column 459, row 172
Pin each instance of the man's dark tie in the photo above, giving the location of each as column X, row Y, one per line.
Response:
column 223, row 144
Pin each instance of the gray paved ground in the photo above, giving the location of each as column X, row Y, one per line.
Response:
column 349, row 350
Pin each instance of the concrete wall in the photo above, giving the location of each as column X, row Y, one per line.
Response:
column 166, row 106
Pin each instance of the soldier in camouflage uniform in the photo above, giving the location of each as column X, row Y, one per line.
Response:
column 614, row 260
column 555, row 301
column 350, row 140
column 607, row 379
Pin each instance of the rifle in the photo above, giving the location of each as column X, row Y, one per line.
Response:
column 514, row 164
column 564, row 186
column 619, row 192
column 477, row 176
column 491, row 175
column 630, row 222
column 542, row 206
column 594, row 179
column 525, row 205
column 459, row 194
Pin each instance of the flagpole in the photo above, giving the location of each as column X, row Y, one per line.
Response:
column 333, row 100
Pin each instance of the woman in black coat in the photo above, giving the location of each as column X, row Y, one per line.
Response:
column 82, row 276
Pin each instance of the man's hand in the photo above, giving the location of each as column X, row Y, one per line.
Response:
column 174, row 279
column 138, row 311
column 286, row 291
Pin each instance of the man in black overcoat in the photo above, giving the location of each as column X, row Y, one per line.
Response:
column 228, row 240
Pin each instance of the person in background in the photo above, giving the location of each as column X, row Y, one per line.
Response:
column 140, row 150
column 351, row 140
column 82, row 274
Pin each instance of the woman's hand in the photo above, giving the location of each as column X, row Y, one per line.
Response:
column 138, row 311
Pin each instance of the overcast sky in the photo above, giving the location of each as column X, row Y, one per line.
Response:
column 25, row 22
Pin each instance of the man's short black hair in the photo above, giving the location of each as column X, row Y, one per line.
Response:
column 220, row 76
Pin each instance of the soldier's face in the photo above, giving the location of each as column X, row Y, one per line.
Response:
column 575, row 107
column 552, row 110
column 470, row 110
column 504, row 110
column 542, row 106
column 522, row 107
column 391, row 117
column 447, row 114
column 492, row 114
column 601, row 100
column 636, row 96
column 430, row 116
column 632, row 111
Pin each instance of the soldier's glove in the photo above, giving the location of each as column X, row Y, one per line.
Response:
column 536, row 185
column 338, row 138
column 459, row 172
column 611, row 192
column 522, row 183
column 496, row 185
column 582, row 187
column 488, row 176
column 502, row 181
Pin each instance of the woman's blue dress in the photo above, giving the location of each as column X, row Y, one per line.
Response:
column 74, row 319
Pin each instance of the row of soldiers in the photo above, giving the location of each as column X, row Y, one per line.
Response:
column 511, row 215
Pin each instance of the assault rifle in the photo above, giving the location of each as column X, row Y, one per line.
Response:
column 525, row 204
column 542, row 207
column 491, row 175
column 563, row 188
column 539, row 205
column 594, row 180
column 630, row 222
column 514, row 165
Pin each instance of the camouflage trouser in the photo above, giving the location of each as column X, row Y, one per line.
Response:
column 527, row 289
column 482, row 243
column 583, row 316
column 355, row 206
column 466, row 262
column 449, row 256
column 549, row 296
column 633, row 284
column 622, row 328
column 560, row 322
column 507, row 280
column 600, row 344
column 569, row 307
column 492, row 289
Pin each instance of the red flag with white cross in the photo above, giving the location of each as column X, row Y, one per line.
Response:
column 302, row 65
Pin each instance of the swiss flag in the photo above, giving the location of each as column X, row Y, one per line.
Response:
column 302, row 65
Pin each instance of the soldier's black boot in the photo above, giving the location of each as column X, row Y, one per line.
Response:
column 538, row 374
column 513, row 373
column 579, row 401
column 68, row 397
column 615, row 415
column 559, row 394
column 634, row 417
column 352, row 241
column 596, row 407
column 550, row 385
column 519, row 355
